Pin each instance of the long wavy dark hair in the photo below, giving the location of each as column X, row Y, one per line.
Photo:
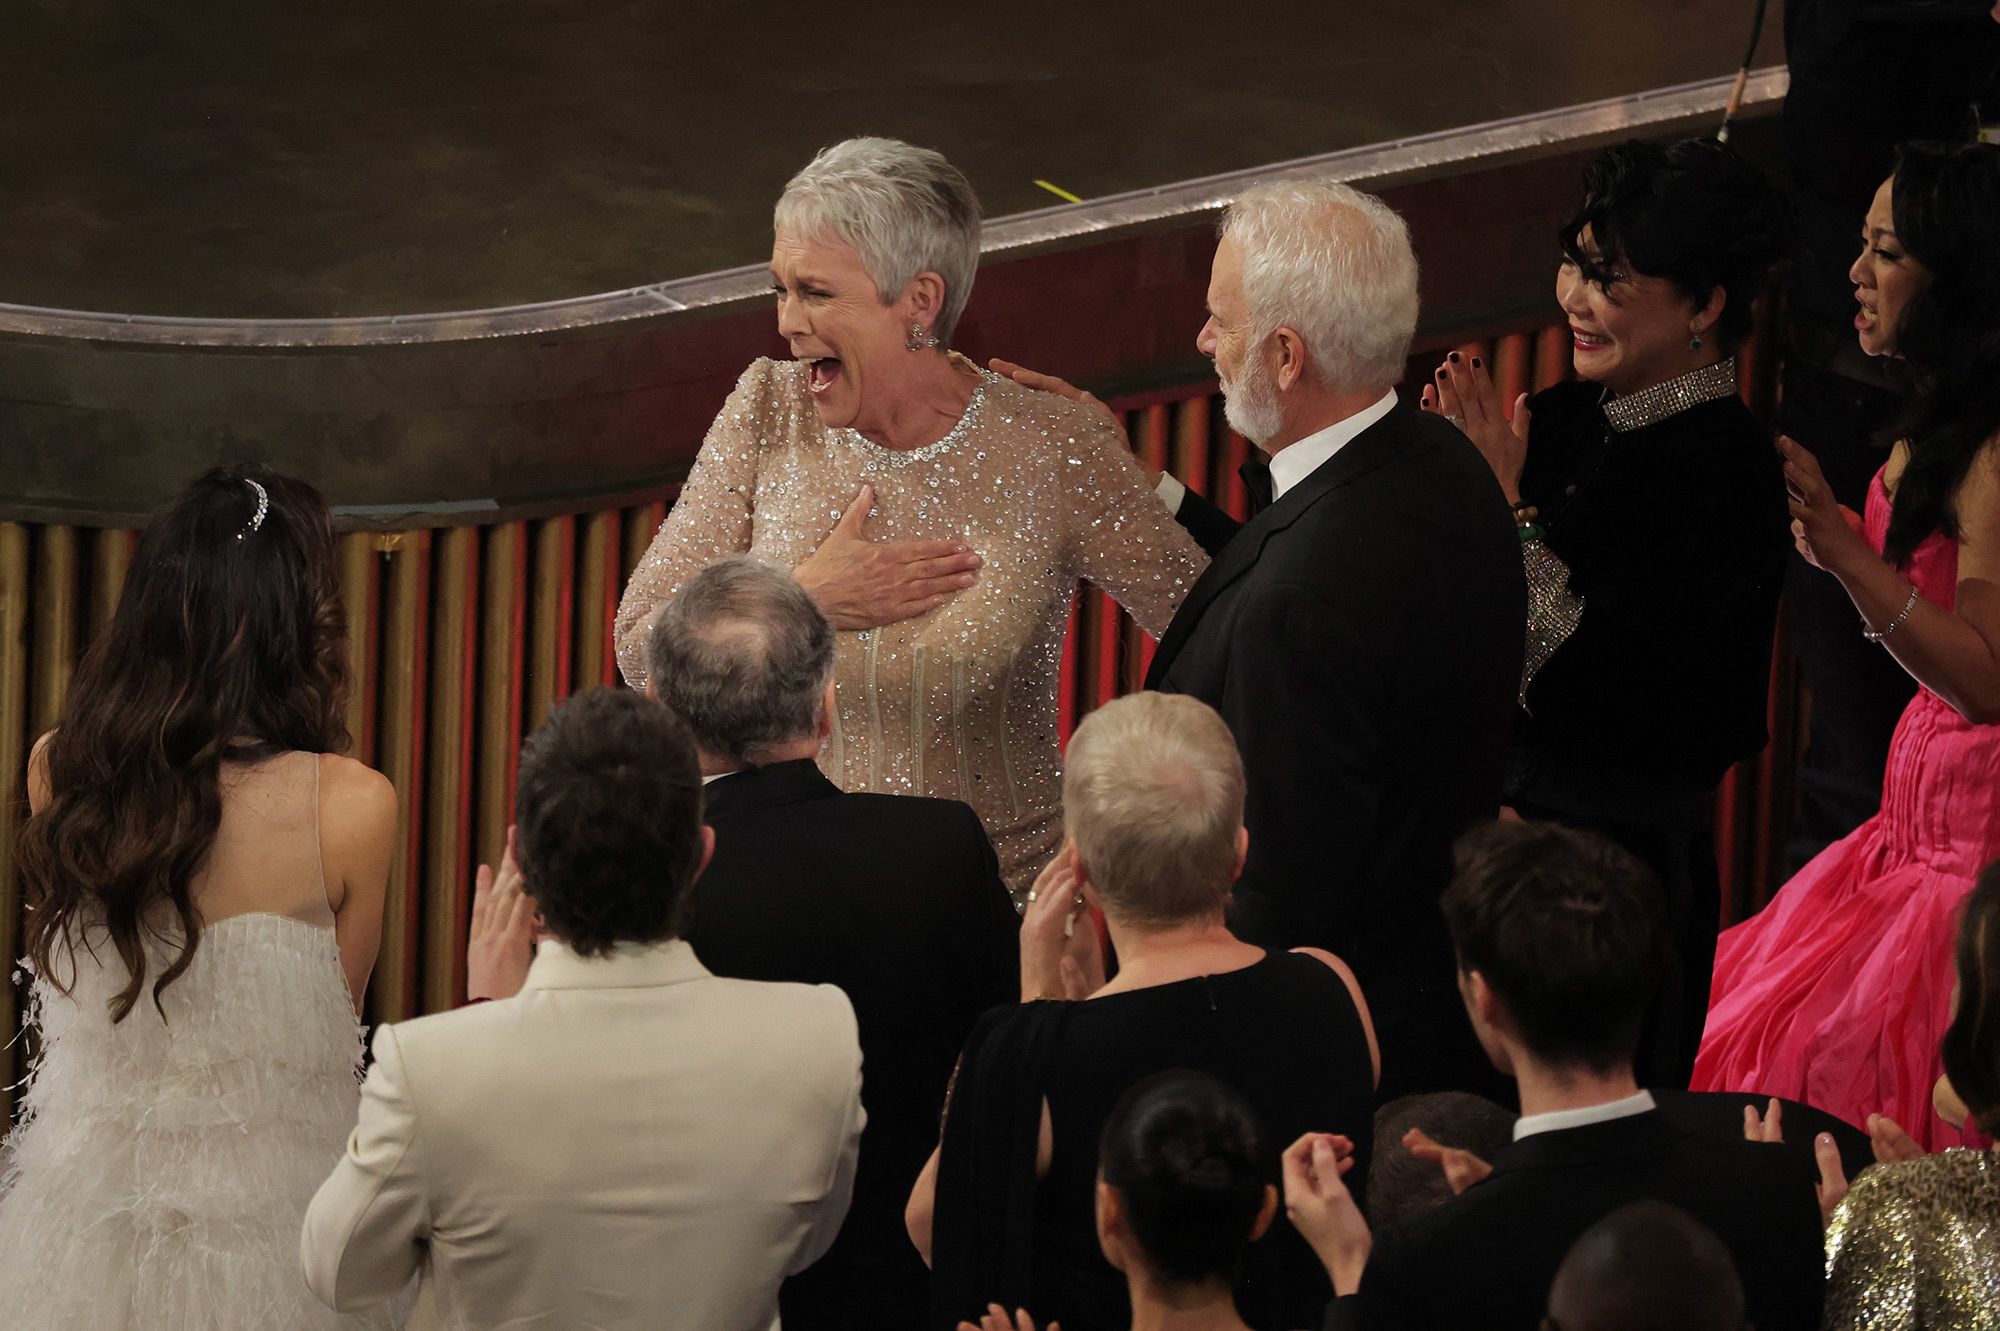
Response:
column 227, row 646
column 1946, row 204
column 1971, row 1044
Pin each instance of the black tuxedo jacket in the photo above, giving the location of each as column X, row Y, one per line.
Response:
column 1486, row 1258
column 1362, row 637
column 898, row 901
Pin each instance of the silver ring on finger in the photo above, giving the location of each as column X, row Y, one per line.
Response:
column 1458, row 422
column 1031, row 896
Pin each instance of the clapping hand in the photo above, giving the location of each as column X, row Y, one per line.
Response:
column 1060, row 955
column 1463, row 393
column 863, row 584
column 1890, row 1143
column 1826, row 533
column 996, row 1319
column 502, row 942
column 1321, row 1208
column 1461, row 1167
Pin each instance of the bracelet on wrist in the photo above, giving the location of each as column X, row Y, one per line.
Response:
column 1877, row 635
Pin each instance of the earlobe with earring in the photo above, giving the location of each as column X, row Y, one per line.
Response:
column 920, row 340
column 1694, row 342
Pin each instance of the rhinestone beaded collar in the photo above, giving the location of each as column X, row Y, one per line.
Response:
column 1653, row 405
column 893, row 457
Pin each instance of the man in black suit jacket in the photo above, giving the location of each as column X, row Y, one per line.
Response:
column 1362, row 633
column 895, row 899
column 1561, row 942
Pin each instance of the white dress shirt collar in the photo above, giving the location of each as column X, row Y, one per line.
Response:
column 1530, row 1124
column 1294, row 463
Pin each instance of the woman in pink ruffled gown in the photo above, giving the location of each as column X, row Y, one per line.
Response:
column 1838, row 991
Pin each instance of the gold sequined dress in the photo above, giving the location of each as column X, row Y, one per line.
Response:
column 1917, row 1245
column 959, row 703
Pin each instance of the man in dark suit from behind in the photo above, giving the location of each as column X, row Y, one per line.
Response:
column 1561, row 942
column 1362, row 633
column 895, row 899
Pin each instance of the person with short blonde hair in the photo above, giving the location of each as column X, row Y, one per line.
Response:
column 1153, row 803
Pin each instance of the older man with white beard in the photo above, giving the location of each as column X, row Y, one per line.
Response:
column 1361, row 633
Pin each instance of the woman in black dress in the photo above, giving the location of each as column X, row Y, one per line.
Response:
column 1654, row 529
column 1006, row 1209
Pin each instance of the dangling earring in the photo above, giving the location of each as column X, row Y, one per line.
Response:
column 920, row 340
column 1694, row 343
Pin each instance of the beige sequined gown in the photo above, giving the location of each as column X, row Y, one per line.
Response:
column 959, row 703
column 1917, row 1245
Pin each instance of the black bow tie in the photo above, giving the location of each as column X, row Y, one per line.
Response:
column 1256, row 475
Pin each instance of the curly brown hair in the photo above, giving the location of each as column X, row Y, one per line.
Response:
column 228, row 645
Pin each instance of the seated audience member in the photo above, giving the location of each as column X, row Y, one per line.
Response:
column 1411, row 1172
column 1560, row 942
column 896, row 899
column 1912, row 1243
column 1181, row 1192
column 1153, row 805
column 1647, row 1266
column 628, row 1141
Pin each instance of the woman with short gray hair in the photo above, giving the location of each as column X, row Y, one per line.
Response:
column 940, row 515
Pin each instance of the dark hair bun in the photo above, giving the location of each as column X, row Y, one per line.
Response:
column 1186, row 1155
column 1695, row 212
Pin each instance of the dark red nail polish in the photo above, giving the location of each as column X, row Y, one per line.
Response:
column 1475, row 362
column 1454, row 358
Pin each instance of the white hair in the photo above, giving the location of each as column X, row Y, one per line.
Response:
column 1153, row 799
column 1335, row 266
column 905, row 210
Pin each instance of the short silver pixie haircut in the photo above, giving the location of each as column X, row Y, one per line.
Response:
column 742, row 655
column 1334, row 265
column 1153, row 798
column 905, row 210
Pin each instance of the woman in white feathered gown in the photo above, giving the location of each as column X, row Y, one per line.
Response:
column 204, row 882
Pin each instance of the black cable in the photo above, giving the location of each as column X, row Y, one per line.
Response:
column 1756, row 32
column 1743, row 72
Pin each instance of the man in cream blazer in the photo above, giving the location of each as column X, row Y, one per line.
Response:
column 628, row 1141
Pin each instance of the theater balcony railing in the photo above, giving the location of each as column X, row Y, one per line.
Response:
column 468, row 623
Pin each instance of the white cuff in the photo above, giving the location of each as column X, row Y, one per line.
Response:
column 1171, row 492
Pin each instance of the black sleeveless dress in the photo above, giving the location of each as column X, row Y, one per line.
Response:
column 1284, row 1032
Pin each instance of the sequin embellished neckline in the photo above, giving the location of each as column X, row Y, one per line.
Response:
column 968, row 421
column 1652, row 405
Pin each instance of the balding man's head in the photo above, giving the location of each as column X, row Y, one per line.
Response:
column 1647, row 1266
column 743, row 656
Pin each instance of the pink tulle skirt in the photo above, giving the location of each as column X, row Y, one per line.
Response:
column 1839, row 990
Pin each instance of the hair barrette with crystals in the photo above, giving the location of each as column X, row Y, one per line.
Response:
column 263, row 507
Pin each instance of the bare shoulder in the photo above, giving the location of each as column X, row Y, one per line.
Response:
column 1978, row 499
column 1333, row 963
column 355, row 796
column 1977, row 507
column 38, row 773
column 1344, row 971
